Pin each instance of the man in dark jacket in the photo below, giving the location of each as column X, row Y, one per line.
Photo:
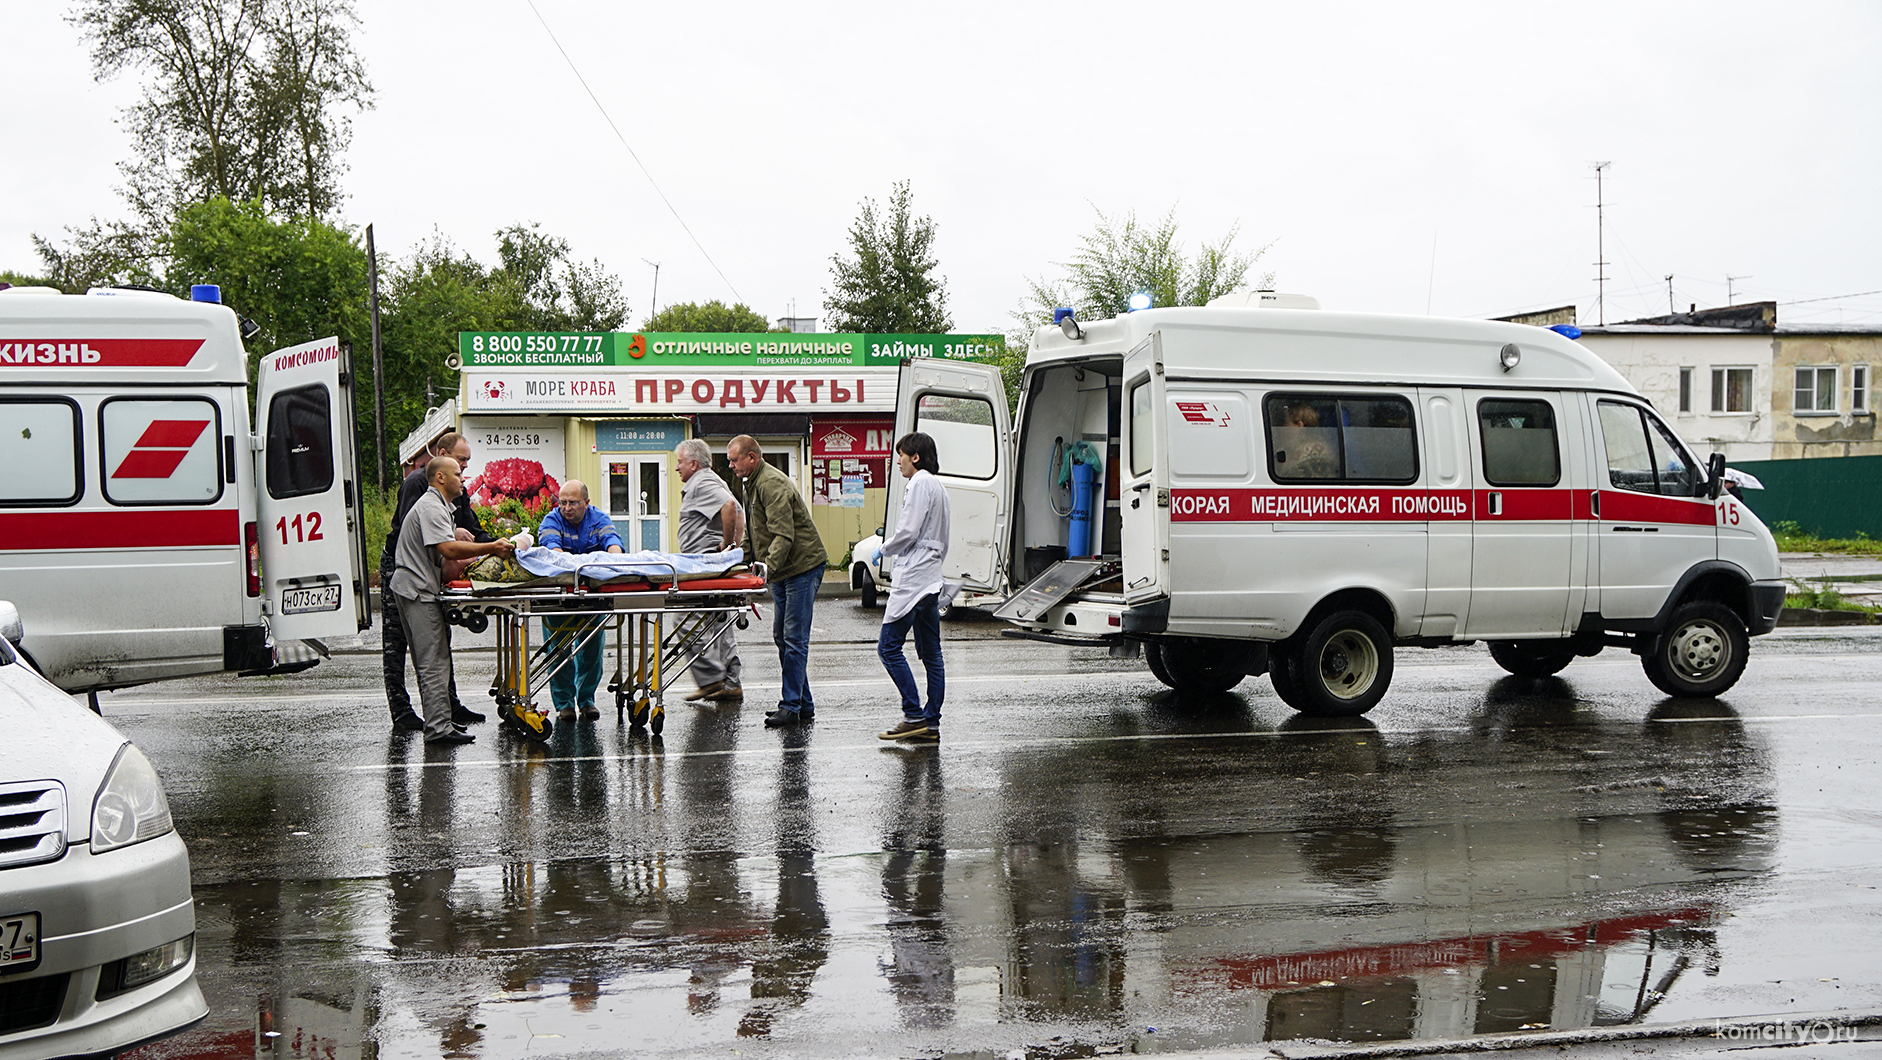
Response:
column 395, row 649
column 779, row 533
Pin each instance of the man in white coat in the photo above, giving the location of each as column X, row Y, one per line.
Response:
column 918, row 546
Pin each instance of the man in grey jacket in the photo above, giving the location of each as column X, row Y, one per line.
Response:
column 711, row 520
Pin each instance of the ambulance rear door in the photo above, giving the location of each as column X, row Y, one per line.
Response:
column 962, row 406
column 309, row 527
column 1145, row 481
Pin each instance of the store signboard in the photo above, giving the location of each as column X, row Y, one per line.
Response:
column 638, row 436
column 852, row 438
column 518, row 458
column 486, row 349
column 680, row 391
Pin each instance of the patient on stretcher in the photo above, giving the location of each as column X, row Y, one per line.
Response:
column 534, row 564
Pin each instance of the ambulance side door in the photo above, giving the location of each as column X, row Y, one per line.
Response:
column 1144, row 480
column 308, row 515
column 1522, row 530
column 962, row 406
column 1656, row 516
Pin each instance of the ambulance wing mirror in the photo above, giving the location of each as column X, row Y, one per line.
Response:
column 1715, row 475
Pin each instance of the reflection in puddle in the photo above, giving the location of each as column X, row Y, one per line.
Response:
column 1526, row 871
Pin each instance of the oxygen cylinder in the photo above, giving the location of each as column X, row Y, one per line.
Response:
column 1084, row 490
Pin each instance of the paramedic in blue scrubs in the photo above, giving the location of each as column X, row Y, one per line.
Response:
column 918, row 546
column 575, row 526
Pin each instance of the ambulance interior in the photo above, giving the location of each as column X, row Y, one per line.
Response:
column 1066, row 405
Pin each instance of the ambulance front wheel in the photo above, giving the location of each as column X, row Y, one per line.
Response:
column 1193, row 664
column 1532, row 658
column 1701, row 653
column 1341, row 668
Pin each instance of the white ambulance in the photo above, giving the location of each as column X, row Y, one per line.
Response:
column 1298, row 493
column 145, row 532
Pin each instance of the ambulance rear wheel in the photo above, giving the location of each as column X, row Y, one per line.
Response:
column 1342, row 667
column 1193, row 664
column 1532, row 658
column 1701, row 654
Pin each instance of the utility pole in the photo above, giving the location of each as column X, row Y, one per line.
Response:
column 1600, row 246
column 1728, row 287
column 656, row 289
column 1670, row 307
column 378, row 360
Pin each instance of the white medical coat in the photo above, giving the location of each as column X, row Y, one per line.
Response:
column 918, row 546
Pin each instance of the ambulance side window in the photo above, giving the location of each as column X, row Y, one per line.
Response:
column 39, row 447
column 1679, row 476
column 160, row 450
column 1630, row 458
column 1519, row 446
column 1340, row 438
column 300, row 442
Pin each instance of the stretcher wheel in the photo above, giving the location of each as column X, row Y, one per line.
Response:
column 528, row 724
column 743, row 622
column 637, row 712
column 656, row 718
column 476, row 621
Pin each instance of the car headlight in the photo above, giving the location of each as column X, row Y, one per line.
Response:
column 130, row 807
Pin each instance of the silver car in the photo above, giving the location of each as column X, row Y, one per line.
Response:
column 97, row 926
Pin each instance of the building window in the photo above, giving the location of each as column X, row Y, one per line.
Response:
column 1731, row 390
column 1859, row 388
column 1816, row 391
column 1685, row 389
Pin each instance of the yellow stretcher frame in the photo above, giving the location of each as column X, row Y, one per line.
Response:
column 660, row 627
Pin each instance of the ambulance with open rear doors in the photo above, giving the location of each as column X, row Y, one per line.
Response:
column 1299, row 493
column 145, row 532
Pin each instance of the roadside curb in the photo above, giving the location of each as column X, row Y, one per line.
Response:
column 1817, row 616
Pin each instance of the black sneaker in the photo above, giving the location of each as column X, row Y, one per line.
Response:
column 450, row 739
column 407, row 722
column 907, row 730
column 463, row 715
column 779, row 719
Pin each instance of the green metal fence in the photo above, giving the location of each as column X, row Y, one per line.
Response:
column 1839, row 496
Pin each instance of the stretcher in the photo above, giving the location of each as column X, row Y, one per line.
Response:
column 660, row 625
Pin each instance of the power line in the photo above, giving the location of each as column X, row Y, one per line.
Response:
column 630, row 151
column 1830, row 298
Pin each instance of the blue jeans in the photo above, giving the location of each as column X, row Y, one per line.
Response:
column 925, row 619
column 793, row 598
column 574, row 685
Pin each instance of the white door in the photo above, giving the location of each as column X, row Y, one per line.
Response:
column 1144, row 479
column 312, row 552
column 637, row 500
column 1655, row 517
column 1522, row 527
column 962, row 406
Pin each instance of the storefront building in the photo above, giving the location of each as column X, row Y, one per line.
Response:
column 609, row 408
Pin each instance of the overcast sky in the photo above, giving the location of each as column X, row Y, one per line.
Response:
column 1392, row 157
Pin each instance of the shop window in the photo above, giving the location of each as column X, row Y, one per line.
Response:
column 39, row 447
column 1519, row 443
column 1327, row 438
column 160, row 451
column 1731, row 390
column 1816, row 391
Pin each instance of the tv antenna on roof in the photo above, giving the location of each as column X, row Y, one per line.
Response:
column 1600, row 265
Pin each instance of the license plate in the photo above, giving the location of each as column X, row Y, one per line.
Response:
column 19, row 942
column 303, row 601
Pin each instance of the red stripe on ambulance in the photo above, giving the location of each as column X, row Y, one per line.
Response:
column 141, row 528
column 98, row 353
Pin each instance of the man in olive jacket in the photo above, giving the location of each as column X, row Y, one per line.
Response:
column 778, row 532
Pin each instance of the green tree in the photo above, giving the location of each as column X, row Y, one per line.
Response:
column 242, row 101
column 713, row 316
column 888, row 286
column 1120, row 256
column 552, row 291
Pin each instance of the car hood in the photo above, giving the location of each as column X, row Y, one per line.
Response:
column 49, row 736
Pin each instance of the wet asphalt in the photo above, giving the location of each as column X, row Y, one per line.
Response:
column 1087, row 864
